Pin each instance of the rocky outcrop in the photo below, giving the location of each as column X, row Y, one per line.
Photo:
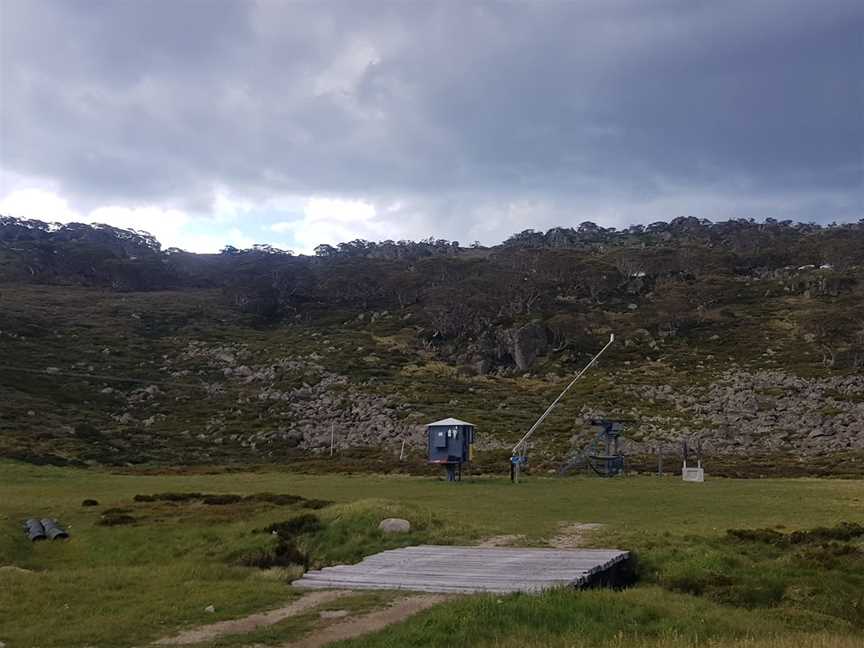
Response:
column 528, row 342
column 756, row 412
column 324, row 407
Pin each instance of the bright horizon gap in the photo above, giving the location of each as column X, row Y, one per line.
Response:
column 299, row 224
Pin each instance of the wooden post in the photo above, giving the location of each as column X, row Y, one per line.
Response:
column 332, row 437
column 659, row 461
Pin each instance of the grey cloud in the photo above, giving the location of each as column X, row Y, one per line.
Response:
column 458, row 108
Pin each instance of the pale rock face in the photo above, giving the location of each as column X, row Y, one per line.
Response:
column 755, row 411
column 306, row 406
column 528, row 342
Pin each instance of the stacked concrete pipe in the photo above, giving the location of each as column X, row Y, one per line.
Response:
column 46, row 528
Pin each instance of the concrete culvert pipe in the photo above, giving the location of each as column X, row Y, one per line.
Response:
column 53, row 530
column 34, row 529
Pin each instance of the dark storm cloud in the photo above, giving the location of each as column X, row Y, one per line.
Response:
column 455, row 107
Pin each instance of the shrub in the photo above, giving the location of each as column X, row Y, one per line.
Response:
column 288, row 530
column 769, row 536
column 115, row 511
column 116, row 520
column 282, row 499
column 168, row 497
column 275, row 498
column 89, row 502
column 315, row 504
column 844, row 531
column 831, row 555
column 285, row 553
column 218, row 500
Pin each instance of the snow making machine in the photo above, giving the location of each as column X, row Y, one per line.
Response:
column 606, row 458
column 450, row 442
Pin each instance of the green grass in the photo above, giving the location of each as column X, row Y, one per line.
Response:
column 636, row 617
column 126, row 585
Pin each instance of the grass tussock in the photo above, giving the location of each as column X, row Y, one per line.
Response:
column 844, row 531
column 306, row 523
column 347, row 534
column 116, row 519
column 351, row 530
column 646, row 616
column 818, row 571
column 169, row 497
column 223, row 499
column 285, row 552
column 315, row 504
column 279, row 499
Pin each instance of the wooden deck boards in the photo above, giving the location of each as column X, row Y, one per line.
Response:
column 431, row 568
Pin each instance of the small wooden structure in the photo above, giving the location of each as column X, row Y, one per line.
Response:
column 432, row 568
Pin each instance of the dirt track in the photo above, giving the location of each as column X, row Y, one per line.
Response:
column 253, row 621
column 347, row 628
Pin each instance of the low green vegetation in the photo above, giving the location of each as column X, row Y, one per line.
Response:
column 78, row 362
column 726, row 563
column 643, row 616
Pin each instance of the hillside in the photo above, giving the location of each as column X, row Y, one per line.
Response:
column 748, row 336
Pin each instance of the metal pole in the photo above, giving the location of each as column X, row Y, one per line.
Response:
column 561, row 395
column 402, row 451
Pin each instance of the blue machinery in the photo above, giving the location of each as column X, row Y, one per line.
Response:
column 518, row 457
column 450, row 442
column 606, row 459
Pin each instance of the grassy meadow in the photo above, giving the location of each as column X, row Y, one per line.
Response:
column 135, row 571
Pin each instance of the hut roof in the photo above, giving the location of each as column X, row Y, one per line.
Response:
column 449, row 421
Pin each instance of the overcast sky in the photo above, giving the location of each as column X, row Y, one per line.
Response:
column 211, row 122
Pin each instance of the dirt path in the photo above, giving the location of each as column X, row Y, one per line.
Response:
column 253, row 621
column 572, row 534
column 501, row 540
column 371, row 622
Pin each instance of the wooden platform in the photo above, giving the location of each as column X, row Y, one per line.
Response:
column 432, row 568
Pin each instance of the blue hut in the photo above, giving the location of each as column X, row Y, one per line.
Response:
column 450, row 442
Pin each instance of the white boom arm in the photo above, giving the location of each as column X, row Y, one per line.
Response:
column 549, row 409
